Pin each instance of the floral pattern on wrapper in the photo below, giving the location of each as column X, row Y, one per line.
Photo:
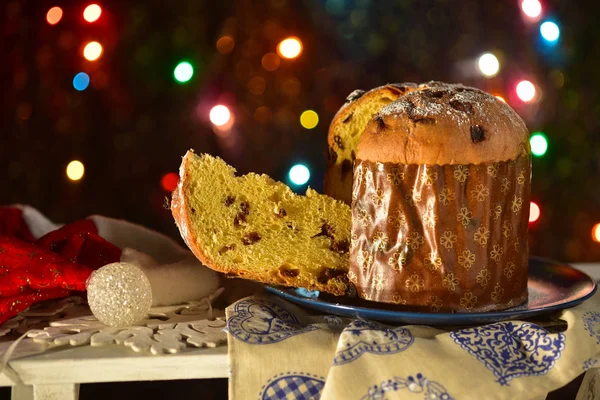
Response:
column 449, row 232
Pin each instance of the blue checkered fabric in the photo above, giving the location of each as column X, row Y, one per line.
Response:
column 294, row 387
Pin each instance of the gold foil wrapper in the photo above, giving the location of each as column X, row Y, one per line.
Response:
column 441, row 238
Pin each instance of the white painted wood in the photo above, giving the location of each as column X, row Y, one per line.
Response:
column 5, row 381
column 56, row 392
column 118, row 364
column 21, row 392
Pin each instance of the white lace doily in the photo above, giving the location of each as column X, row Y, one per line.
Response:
column 166, row 330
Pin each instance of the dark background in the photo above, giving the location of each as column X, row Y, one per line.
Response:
column 133, row 123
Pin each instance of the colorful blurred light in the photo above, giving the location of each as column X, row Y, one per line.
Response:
column 225, row 44
column 92, row 51
column 169, row 181
column 92, row 12
column 75, row 170
column 531, row 8
column 290, row 47
column 539, row 144
column 309, row 119
column 219, row 115
column 270, row 62
column 257, row 85
column 54, row 15
column 489, row 64
column 291, row 87
column 299, row 174
column 81, row 81
column 183, row 72
column 596, row 233
column 534, row 212
column 526, row 91
column 550, row 31
column 500, row 98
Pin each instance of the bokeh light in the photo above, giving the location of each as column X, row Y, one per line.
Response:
column 92, row 12
column 54, row 15
column 81, row 81
column 299, row 174
column 75, row 170
column 596, row 233
column 270, row 61
column 539, row 144
column 257, row 85
column 263, row 115
column 531, row 8
column 550, row 31
column 290, row 47
column 335, row 7
column 183, row 72
column 489, row 65
column 92, row 51
column 169, row 181
column 526, row 91
column 219, row 115
column 291, row 87
column 309, row 119
column 225, row 44
column 534, row 212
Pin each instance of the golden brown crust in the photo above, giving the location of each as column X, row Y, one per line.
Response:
column 445, row 124
column 359, row 97
column 338, row 176
column 181, row 213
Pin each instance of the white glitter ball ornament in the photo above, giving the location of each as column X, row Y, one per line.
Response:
column 119, row 294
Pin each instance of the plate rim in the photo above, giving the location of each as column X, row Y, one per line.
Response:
column 457, row 318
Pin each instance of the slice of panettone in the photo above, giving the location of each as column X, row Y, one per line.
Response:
column 256, row 228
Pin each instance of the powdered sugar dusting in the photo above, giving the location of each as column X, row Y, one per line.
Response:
column 462, row 104
column 417, row 105
column 396, row 107
column 485, row 101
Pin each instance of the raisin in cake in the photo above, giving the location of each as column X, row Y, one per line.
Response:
column 345, row 130
column 256, row 228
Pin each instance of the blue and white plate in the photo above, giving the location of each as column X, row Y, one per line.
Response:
column 552, row 286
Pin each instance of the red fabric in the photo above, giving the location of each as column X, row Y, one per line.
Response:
column 26, row 266
column 56, row 240
column 80, row 243
column 13, row 224
column 54, row 266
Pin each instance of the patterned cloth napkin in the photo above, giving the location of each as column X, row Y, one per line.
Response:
column 280, row 351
